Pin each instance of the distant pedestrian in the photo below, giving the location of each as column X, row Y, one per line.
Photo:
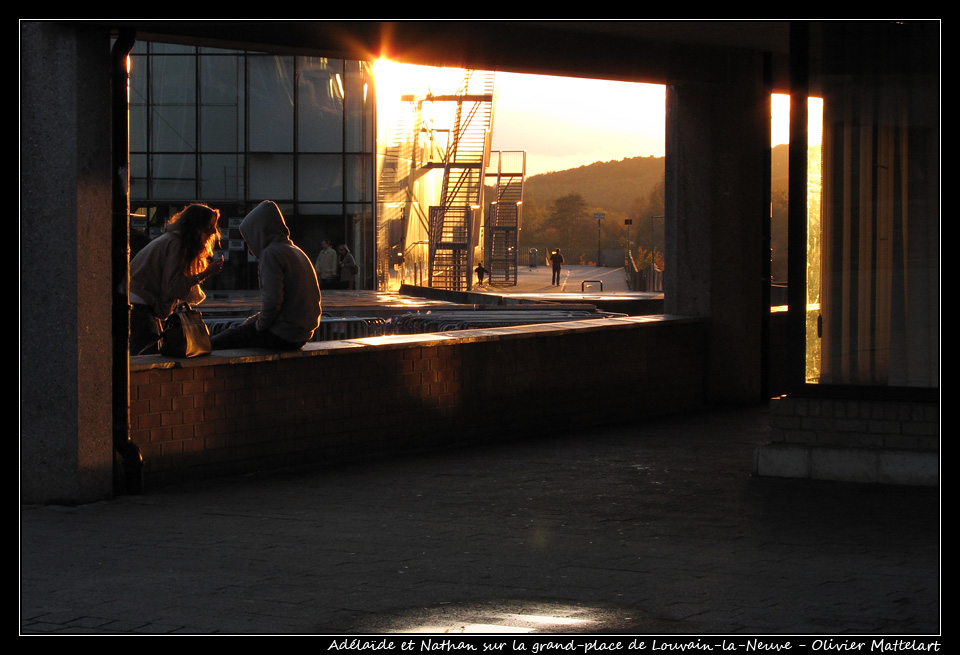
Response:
column 348, row 268
column 326, row 266
column 556, row 260
column 480, row 271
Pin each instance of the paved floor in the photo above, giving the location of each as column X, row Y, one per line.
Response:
column 652, row 528
column 573, row 280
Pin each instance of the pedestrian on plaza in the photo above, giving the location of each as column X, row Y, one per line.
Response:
column 289, row 293
column 326, row 266
column 169, row 270
column 348, row 268
column 556, row 260
column 480, row 271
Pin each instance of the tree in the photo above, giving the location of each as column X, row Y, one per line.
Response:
column 648, row 231
column 570, row 217
column 532, row 224
column 778, row 235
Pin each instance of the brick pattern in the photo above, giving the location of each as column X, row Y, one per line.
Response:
column 855, row 423
column 218, row 416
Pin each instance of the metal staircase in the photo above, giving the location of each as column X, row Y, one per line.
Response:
column 455, row 222
column 503, row 216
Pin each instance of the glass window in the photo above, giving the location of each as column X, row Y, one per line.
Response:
column 171, row 49
column 271, row 176
column 173, row 176
column 221, row 81
column 138, row 176
column 220, row 128
column 173, row 126
column 221, row 177
column 221, row 97
column 358, row 178
column 138, row 104
column 271, row 103
column 358, row 99
column 319, row 104
column 320, row 178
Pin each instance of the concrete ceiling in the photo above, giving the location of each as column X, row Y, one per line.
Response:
column 650, row 51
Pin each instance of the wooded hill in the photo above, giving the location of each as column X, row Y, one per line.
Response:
column 611, row 185
column 558, row 208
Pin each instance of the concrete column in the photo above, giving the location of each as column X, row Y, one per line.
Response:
column 717, row 219
column 65, row 352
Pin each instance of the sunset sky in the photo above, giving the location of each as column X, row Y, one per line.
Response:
column 565, row 122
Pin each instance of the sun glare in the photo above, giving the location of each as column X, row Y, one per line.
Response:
column 561, row 122
column 399, row 84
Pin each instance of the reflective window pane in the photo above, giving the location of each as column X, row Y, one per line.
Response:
column 320, row 104
column 173, row 100
column 271, row 176
column 221, row 177
column 173, row 176
column 271, row 103
column 320, row 177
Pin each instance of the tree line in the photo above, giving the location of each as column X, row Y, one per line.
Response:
column 559, row 209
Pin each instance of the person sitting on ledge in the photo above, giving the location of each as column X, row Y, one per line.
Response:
column 169, row 270
column 289, row 293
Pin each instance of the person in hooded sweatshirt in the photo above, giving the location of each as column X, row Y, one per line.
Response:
column 289, row 293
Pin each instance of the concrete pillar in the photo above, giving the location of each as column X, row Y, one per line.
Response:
column 65, row 341
column 717, row 219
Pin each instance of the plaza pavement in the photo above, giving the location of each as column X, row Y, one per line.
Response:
column 652, row 528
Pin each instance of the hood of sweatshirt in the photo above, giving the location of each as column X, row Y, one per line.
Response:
column 263, row 226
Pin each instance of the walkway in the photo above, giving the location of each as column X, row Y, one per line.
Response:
column 651, row 528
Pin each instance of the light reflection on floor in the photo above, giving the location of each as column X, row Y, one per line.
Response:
column 499, row 617
column 470, row 628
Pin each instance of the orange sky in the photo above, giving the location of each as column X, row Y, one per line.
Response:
column 565, row 122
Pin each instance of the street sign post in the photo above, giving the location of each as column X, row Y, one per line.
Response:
column 599, row 216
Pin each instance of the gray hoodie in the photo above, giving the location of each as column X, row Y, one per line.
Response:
column 289, row 293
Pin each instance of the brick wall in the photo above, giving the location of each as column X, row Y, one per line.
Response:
column 861, row 423
column 857, row 440
column 242, row 411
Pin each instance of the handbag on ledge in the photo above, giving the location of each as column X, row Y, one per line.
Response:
column 185, row 334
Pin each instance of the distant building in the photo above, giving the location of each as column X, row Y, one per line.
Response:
column 234, row 127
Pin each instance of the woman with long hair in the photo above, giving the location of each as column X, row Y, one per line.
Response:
column 169, row 270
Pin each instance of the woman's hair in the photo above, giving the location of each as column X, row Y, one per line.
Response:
column 343, row 247
column 197, row 227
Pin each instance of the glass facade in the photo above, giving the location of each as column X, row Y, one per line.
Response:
column 232, row 128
